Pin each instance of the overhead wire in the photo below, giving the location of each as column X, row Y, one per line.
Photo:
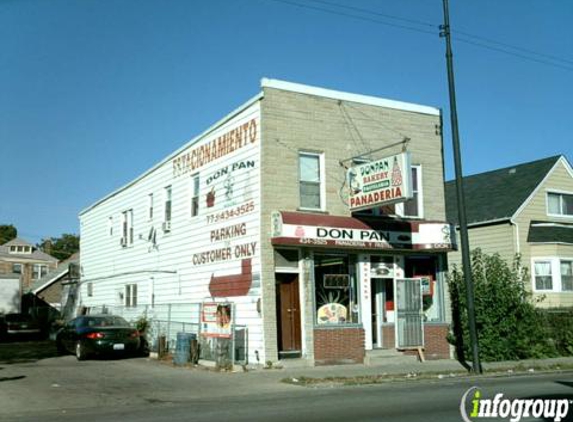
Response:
column 462, row 36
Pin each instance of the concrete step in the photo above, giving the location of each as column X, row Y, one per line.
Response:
column 383, row 353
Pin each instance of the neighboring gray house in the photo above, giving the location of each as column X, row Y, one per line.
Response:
column 524, row 209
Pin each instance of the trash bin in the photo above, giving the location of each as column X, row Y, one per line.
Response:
column 182, row 353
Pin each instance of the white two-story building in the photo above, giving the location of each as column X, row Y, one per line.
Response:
column 260, row 214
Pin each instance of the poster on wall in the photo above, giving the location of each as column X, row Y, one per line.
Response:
column 216, row 319
column 377, row 183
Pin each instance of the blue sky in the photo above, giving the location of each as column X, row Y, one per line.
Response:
column 94, row 92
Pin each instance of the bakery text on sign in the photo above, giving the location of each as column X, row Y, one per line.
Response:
column 227, row 143
column 383, row 182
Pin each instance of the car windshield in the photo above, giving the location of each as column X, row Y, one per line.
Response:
column 107, row 321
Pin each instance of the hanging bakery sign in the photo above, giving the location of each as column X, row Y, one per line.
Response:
column 383, row 182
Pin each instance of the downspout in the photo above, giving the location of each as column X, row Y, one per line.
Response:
column 517, row 247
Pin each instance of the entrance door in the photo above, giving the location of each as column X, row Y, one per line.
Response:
column 377, row 311
column 288, row 315
column 409, row 315
column 382, row 308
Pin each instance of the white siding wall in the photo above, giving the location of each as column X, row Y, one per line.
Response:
column 167, row 271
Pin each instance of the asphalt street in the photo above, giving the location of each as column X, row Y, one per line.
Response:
column 63, row 389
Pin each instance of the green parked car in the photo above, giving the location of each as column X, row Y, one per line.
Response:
column 92, row 335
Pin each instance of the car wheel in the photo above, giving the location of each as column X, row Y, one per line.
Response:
column 80, row 351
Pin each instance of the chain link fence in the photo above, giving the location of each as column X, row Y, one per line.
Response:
column 166, row 321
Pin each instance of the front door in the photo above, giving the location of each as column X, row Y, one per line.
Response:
column 409, row 314
column 288, row 315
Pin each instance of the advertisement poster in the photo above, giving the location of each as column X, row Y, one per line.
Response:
column 216, row 319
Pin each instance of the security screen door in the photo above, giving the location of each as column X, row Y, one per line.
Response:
column 409, row 313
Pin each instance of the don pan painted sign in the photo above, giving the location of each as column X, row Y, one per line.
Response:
column 383, row 182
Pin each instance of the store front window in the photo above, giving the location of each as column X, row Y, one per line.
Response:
column 335, row 289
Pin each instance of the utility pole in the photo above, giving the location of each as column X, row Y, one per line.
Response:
column 466, row 265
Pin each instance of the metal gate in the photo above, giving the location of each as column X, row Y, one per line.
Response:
column 409, row 314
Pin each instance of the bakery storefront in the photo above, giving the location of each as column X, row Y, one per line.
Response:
column 348, row 285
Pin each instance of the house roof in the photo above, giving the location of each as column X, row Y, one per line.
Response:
column 17, row 242
column 35, row 255
column 550, row 232
column 55, row 275
column 498, row 194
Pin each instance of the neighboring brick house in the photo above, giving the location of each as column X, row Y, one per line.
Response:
column 20, row 257
column 254, row 214
column 525, row 209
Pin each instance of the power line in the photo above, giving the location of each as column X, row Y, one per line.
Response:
column 522, row 56
column 370, row 11
column 514, row 47
column 525, row 52
column 334, row 12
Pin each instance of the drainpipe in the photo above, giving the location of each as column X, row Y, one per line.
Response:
column 517, row 247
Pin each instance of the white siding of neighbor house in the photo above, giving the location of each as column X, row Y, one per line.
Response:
column 166, row 273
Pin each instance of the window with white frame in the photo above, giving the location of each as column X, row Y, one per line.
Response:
column 130, row 296
column 553, row 274
column 560, row 204
column 413, row 207
column 167, row 210
column 311, row 180
column 566, row 267
column 17, row 268
column 150, row 207
column 127, row 228
column 39, row 271
column 195, row 195
column 543, row 275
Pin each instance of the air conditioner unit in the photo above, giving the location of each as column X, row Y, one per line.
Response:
column 166, row 226
column 123, row 242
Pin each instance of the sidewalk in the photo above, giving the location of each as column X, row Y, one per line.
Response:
column 402, row 366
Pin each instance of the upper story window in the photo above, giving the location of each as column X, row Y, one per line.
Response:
column 150, row 207
column 195, row 195
column 553, row 275
column 560, row 204
column 127, row 228
column 167, row 209
column 17, row 268
column 311, row 180
column 39, row 271
column 413, row 207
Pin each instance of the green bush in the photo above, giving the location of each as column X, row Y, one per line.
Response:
column 559, row 329
column 509, row 326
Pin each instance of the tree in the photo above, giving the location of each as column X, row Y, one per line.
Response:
column 509, row 326
column 7, row 233
column 61, row 247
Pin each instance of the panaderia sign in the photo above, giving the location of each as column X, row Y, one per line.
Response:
column 383, row 182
